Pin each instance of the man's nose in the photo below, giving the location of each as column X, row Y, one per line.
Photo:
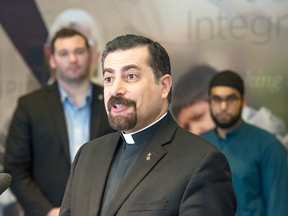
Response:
column 72, row 57
column 118, row 87
column 223, row 105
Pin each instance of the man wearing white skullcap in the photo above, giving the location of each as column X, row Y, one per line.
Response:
column 81, row 21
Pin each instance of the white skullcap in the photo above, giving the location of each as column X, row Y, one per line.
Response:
column 78, row 20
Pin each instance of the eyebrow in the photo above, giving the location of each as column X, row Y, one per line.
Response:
column 66, row 50
column 123, row 69
column 128, row 67
column 108, row 70
column 224, row 96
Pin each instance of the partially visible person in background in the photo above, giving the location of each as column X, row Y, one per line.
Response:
column 77, row 19
column 257, row 159
column 190, row 105
column 51, row 124
column 81, row 21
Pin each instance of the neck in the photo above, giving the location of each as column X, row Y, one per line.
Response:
column 77, row 91
column 222, row 132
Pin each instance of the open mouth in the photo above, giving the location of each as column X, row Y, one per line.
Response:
column 117, row 105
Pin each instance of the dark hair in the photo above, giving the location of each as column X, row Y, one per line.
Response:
column 158, row 60
column 228, row 78
column 64, row 33
column 192, row 87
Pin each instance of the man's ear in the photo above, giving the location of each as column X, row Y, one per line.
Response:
column 244, row 100
column 52, row 61
column 46, row 50
column 166, row 83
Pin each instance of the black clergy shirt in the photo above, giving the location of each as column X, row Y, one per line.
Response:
column 130, row 146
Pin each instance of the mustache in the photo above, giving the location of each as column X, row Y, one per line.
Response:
column 120, row 100
column 222, row 112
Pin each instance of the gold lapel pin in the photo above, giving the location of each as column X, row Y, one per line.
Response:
column 148, row 156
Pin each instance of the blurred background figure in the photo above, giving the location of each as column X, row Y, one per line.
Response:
column 51, row 124
column 258, row 161
column 190, row 105
column 81, row 21
column 31, row 38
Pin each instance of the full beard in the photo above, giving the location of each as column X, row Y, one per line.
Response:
column 122, row 123
column 225, row 125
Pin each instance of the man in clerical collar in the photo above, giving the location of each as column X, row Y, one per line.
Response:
column 257, row 159
column 151, row 165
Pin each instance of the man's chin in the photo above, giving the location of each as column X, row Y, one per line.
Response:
column 226, row 124
column 120, row 122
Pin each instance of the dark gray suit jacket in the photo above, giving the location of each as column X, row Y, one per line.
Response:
column 37, row 149
column 185, row 175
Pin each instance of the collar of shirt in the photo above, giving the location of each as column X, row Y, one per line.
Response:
column 65, row 98
column 144, row 134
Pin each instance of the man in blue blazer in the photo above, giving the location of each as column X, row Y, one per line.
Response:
column 50, row 124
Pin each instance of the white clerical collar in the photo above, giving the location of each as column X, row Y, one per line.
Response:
column 129, row 138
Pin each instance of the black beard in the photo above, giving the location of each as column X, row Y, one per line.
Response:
column 122, row 123
column 225, row 125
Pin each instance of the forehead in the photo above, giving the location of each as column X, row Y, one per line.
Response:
column 196, row 108
column 224, row 91
column 69, row 42
column 137, row 56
